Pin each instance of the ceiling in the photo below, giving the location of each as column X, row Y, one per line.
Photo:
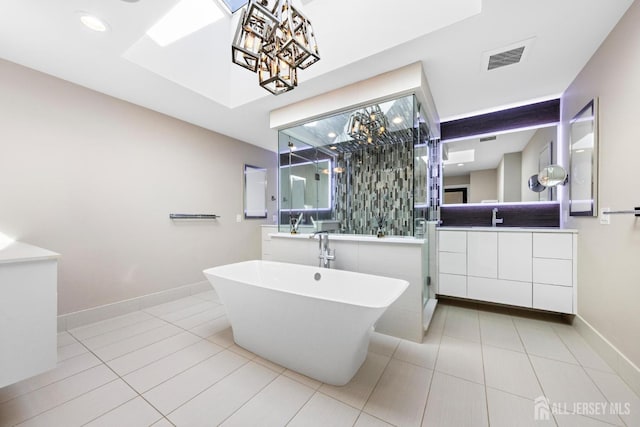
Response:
column 193, row 79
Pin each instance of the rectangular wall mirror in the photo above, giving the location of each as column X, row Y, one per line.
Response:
column 583, row 178
column 255, row 192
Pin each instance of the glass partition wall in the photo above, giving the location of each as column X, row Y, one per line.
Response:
column 362, row 171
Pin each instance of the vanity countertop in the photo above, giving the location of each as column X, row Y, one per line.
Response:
column 405, row 240
column 512, row 229
column 24, row 252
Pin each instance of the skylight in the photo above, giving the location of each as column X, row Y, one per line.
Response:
column 235, row 5
column 186, row 17
column 455, row 157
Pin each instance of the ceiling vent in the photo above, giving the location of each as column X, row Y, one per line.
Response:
column 515, row 53
column 488, row 138
column 503, row 59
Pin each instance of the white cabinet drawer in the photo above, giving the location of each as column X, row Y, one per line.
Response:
column 452, row 241
column 452, row 285
column 553, row 298
column 453, row 263
column 500, row 291
column 553, row 245
column 514, row 256
column 553, row 271
column 483, row 254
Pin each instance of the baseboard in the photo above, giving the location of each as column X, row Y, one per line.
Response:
column 102, row 312
column 627, row 370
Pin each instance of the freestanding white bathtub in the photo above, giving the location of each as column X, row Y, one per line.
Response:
column 312, row 320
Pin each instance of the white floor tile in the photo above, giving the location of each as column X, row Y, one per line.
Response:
column 64, row 369
column 401, row 394
column 223, row 338
column 136, row 412
column 124, row 333
column 366, row 420
column 507, row 410
column 498, row 330
column 580, row 349
column 163, row 423
column 510, row 371
column 71, row 350
column 151, row 353
column 212, row 327
column 541, row 340
column 422, row 354
column 303, row 379
column 43, row 399
column 579, row 421
column 462, row 323
column 208, row 315
column 568, row 384
column 267, row 363
column 357, row 391
column 174, row 392
column 64, row 338
column 461, row 359
column 161, row 370
column 136, row 342
column 275, row 405
column 454, row 402
column 108, row 325
column 175, row 316
column 619, row 394
column 322, row 411
column 85, row 407
column 222, row 399
column 383, row 344
column 175, row 305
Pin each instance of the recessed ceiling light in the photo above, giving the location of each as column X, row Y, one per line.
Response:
column 460, row 164
column 93, row 22
column 397, row 120
column 185, row 18
column 579, row 151
column 332, row 135
column 333, row 147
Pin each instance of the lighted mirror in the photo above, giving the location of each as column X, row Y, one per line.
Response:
column 255, row 192
column 498, row 168
column 584, row 162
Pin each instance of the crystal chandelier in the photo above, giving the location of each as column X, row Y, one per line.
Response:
column 367, row 125
column 274, row 39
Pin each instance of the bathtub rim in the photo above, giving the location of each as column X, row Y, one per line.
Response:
column 404, row 284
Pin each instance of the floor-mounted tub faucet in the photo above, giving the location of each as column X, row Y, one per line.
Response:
column 326, row 255
column 494, row 218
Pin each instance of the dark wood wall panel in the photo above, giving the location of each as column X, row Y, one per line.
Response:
column 515, row 215
column 539, row 114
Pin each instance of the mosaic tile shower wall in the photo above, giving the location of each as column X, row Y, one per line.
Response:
column 376, row 185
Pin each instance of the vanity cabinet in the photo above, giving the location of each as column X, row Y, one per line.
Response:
column 527, row 268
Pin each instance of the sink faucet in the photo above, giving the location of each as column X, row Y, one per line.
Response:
column 326, row 255
column 494, row 218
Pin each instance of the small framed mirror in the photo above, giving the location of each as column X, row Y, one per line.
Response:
column 583, row 145
column 255, row 192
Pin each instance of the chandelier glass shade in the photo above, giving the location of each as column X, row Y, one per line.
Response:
column 274, row 39
column 368, row 124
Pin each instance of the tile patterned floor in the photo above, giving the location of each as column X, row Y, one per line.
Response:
column 177, row 364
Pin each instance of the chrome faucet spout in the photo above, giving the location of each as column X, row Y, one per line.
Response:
column 326, row 255
column 494, row 218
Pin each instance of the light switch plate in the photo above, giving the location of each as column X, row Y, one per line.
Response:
column 605, row 219
column 238, row 217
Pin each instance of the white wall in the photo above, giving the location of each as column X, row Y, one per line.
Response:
column 483, row 185
column 608, row 267
column 95, row 178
